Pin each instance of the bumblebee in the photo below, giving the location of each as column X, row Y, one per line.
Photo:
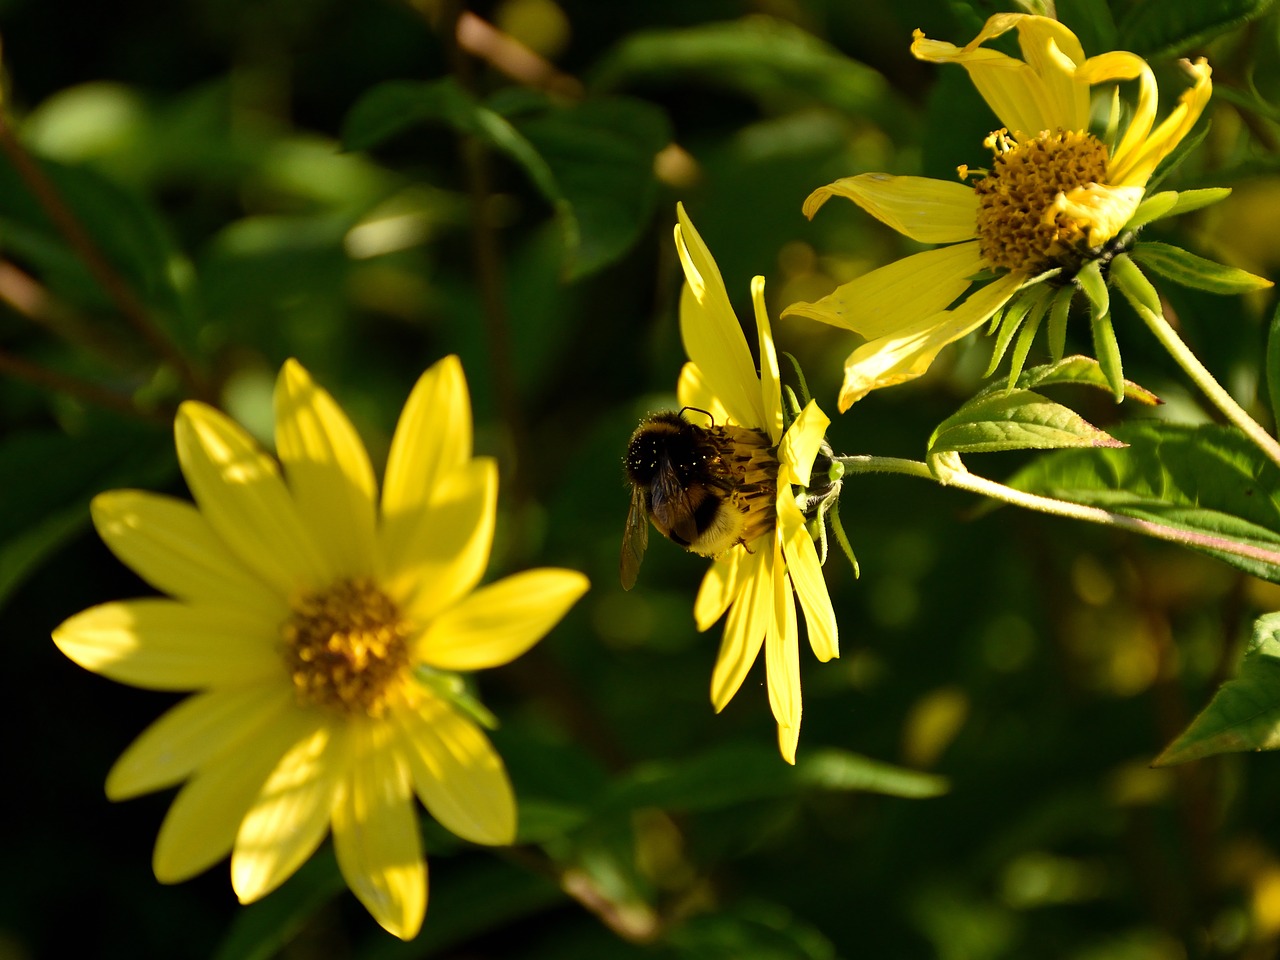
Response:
column 686, row 480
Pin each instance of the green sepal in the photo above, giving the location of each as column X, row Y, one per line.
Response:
column 1133, row 283
column 1187, row 269
column 1058, row 314
column 1043, row 296
column 1108, row 351
column 453, row 689
column 842, row 538
column 1014, row 314
column 1244, row 714
column 1089, row 278
column 1170, row 203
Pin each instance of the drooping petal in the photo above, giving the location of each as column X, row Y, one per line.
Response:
column 432, row 440
column 169, row 544
column 290, row 816
column 376, row 836
column 909, row 352
column 898, row 295
column 770, row 377
column 498, row 622
column 1102, row 209
column 922, row 208
column 447, row 545
column 720, row 587
column 1134, row 167
column 241, row 494
column 201, row 825
column 800, row 446
column 782, row 654
column 1028, row 97
column 748, row 619
column 805, row 571
column 1117, row 65
column 192, row 733
column 328, row 471
column 693, row 392
column 167, row 645
column 456, row 773
column 712, row 336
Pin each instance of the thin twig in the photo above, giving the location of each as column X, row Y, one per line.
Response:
column 83, row 390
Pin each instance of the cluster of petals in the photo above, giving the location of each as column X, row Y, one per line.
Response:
column 757, row 583
column 265, row 777
column 907, row 311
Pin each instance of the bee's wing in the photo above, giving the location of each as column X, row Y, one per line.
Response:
column 635, row 539
column 671, row 506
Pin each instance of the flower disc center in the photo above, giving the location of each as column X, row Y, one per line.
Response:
column 751, row 460
column 1016, row 228
column 344, row 647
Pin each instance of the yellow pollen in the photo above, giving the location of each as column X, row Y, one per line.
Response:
column 345, row 646
column 1014, row 230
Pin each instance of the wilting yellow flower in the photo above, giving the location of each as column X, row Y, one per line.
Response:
column 754, row 581
column 1054, row 198
column 319, row 627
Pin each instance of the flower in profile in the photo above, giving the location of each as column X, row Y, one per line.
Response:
column 754, row 580
column 1056, row 205
column 319, row 627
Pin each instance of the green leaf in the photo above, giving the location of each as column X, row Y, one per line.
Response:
column 601, row 154
column 390, row 109
column 1245, row 712
column 1173, row 27
column 1081, row 371
column 759, row 56
column 1187, row 269
column 1171, row 203
column 740, row 773
column 43, row 506
column 1016, row 420
column 1205, row 479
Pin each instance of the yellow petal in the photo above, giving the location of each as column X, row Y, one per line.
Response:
column 748, row 619
column 291, row 814
column 328, row 471
column 170, row 545
column 720, row 587
column 456, row 773
column 899, row 294
column 498, row 622
column 241, row 494
column 1028, row 97
column 1100, row 209
column 924, row 209
column 432, row 440
column 377, row 840
column 712, row 336
column 782, row 654
column 191, row 734
column 692, row 391
column 908, row 353
column 770, row 378
column 451, row 537
column 801, row 444
column 805, row 571
column 201, row 825
column 788, row 740
column 1122, row 65
column 1134, row 167
column 167, row 645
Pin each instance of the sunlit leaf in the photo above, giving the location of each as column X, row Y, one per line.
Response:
column 1245, row 712
column 1187, row 269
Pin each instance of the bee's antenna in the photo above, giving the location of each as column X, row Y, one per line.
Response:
column 705, row 413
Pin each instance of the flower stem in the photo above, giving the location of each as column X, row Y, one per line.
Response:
column 964, row 480
column 1144, row 299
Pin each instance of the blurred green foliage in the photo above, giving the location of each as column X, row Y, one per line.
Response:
column 341, row 183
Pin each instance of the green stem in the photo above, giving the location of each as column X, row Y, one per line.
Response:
column 1058, row 508
column 1144, row 299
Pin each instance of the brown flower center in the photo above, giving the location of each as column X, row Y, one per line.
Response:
column 345, row 646
column 751, row 462
column 1015, row 197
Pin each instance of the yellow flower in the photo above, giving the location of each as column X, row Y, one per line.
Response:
column 318, row 627
column 1054, row 198
column 754, row 581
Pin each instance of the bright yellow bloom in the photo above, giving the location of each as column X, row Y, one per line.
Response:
column 754, row 581
column 1055, row 197
column 318, row 627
